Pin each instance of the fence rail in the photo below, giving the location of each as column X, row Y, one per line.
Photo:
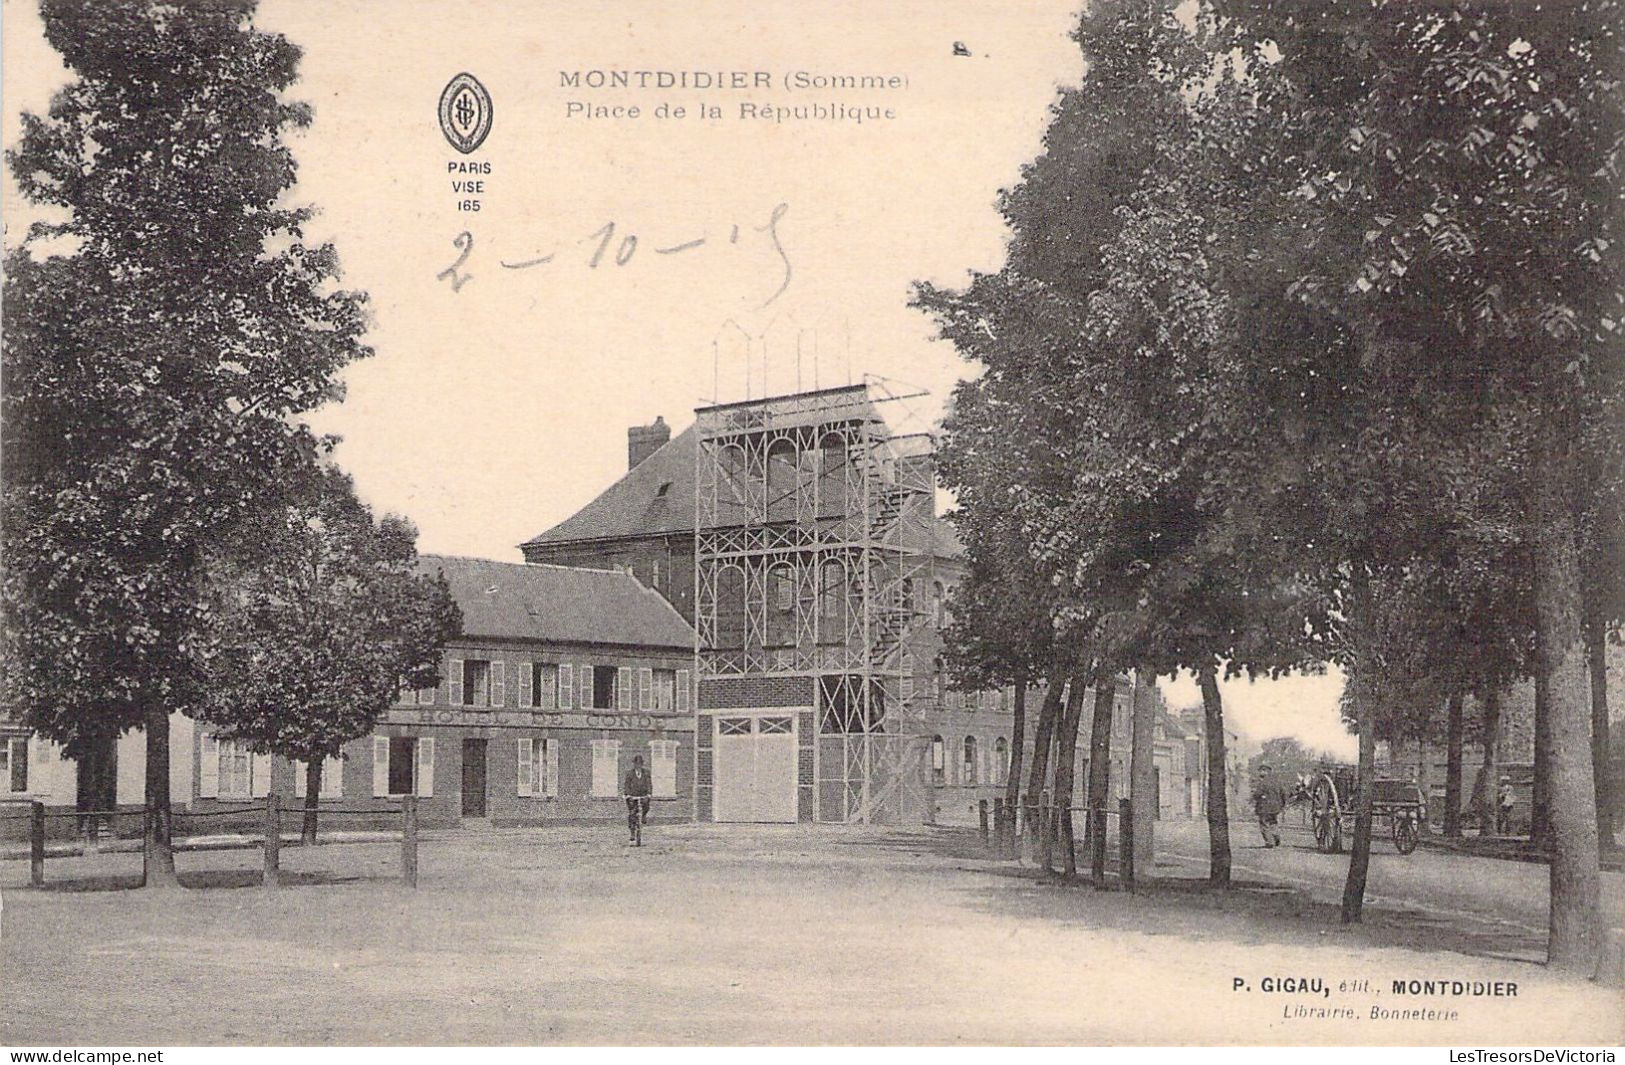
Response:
column 270, row 839
column 1039, row 827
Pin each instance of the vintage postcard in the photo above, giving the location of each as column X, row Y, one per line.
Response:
column 794, row 524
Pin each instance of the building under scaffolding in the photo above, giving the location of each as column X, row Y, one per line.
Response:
column 808, row 554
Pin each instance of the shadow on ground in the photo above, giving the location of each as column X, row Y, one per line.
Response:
column 1247, row 912
column 206, row 880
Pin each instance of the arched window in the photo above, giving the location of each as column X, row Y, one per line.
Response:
column 939, row 605
column 730, row 608
column 1001, row 761
column 939, row 760
column 733, row 487
column 968, row 763
column 832, row 602
column 781, row 481
column 781, row 606
column 832, row 477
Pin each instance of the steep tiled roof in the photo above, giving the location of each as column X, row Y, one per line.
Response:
column 558, row 604
column 656, row 497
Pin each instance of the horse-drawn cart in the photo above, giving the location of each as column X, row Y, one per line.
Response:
column 1335, row 799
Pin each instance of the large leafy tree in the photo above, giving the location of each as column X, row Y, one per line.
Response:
column 1460, row 167
column 164, row 332
column 320, row 617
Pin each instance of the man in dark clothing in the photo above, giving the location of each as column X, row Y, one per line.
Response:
column 638, row 788
column 1269, row 799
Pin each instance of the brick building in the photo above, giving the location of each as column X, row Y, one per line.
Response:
column 561, row 677
column 799, row 535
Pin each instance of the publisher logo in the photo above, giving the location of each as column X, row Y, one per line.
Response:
column 465, row 113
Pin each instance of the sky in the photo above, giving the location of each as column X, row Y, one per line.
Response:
column 707, row 256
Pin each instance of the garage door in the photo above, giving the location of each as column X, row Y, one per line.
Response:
column 755, row 760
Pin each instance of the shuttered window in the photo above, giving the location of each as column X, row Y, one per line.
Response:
column 665, row 689
column 332, row 778
column 14, row 763
column 538, row 774
column 663, row 767
column 527, row 684
column 606, row 766
column 646, row 693
column 566, row 686
column 685, row 694
column 586, row 686
column 623, row 689
column 208, row 777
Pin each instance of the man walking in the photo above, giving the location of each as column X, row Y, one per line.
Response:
column 1269, row 799
column 638, row 787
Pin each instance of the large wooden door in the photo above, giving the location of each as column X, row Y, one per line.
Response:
column 473, row 778
column 755, row 767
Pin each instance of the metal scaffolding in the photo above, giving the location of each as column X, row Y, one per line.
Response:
column 812, row 561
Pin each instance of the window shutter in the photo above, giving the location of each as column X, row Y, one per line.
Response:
column 646, row 689
column 299, row 771
column 527, row 766
column 454, row 671
column 208, row 776
column 586, row 687
column 527, row 687
column 426, row 768
column 623, row 689
column 380, row 767
column 333, row 777
column 552, row 745
column 260, row 776
column 663, row 767
column 499, row 683
column 567, row 692
column 683, row 692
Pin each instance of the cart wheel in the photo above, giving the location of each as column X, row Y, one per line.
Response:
column 1405, row 833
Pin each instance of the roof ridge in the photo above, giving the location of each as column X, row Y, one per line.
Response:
column 523, row 564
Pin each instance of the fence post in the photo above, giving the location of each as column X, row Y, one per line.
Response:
column 409, row 840
column 273, row 841
column 981, row 813
column 36, row 844
column 1125, row 843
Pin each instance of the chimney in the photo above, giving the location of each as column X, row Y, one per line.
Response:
column 644, row 440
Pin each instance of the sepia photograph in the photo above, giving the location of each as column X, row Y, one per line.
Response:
column 756, row 523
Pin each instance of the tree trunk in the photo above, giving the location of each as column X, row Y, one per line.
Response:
column 1218, row 800
column 1012, row 776
column 313, row 798
column 1066, row 767
column 158, row 848
column 1540, row 796
column 1421, row 783
column 1033, row 815
column 1487, row 792
column 1597, row 658
column 1360, row 857
column 1452, row 770
column 1100, row 764
column 1573, row 943
column 1142, row 776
